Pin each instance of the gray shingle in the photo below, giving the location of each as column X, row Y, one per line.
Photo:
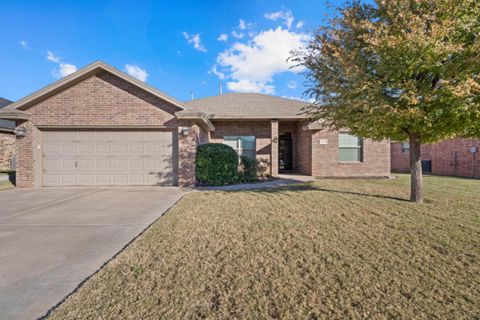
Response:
column 249, row 105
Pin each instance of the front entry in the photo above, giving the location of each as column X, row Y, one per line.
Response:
column 285, row 153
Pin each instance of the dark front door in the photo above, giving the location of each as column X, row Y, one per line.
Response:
column 285, row 154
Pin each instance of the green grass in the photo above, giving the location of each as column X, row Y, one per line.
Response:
column 331, row 249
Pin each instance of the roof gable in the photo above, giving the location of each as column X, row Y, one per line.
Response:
column 83, row 74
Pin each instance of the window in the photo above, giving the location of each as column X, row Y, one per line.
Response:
column 351, row 147
column 243, row 145
column 405, row 147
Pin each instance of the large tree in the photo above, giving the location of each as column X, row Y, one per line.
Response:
column 400, row 70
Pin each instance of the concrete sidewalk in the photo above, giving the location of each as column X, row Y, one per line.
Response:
column 282, row 181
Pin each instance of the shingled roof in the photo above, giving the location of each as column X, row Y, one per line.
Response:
column 249, row 106
column 6, row 124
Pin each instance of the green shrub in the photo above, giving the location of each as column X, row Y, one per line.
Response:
column 247, row 170
column 216, row 164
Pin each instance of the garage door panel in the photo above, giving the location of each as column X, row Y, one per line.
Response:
column 102, row 164
column 67, row 164
column 68, row 179
column 136, row 148
column 86, row 149
column 52, row 164
column 102, row 179
column 102, row 148
column 119, row 178
column 69, row 148
column 136, row 164
column 107, row 158
column 120, row 148
column 86, row 179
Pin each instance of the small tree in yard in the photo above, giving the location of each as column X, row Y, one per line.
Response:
column 398, row 69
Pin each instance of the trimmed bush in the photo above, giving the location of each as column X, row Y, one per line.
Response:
column 248, row 169
column 216, row 165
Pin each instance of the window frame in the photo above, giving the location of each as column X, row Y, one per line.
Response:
column 404, row 148
column 239, row 144
column 358, row 147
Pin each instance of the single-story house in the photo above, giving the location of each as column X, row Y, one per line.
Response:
column 99, row 126
column 7, row 139
column 451, row 157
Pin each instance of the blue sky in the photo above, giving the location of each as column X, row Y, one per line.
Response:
column 176, row 46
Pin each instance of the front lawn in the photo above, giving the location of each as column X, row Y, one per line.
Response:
column 331, row 249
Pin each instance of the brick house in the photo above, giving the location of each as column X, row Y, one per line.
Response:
column 452, row 157
column 7, row 139
column 99, row 126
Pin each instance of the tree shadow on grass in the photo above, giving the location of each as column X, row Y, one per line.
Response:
column 310, row 187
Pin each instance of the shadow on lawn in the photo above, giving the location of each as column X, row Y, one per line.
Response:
column 309, row 187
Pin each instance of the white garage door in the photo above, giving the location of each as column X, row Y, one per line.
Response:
column 107, row 158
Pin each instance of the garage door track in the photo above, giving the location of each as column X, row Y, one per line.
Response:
column 54, row 238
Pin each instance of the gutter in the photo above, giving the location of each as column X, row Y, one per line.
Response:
column 195, row 115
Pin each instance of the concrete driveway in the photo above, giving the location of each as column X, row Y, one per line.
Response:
column 51, row 239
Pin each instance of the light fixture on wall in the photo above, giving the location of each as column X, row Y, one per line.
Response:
column 185, row 131
column 20, row 132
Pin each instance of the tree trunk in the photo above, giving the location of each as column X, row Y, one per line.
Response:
column 416, row 180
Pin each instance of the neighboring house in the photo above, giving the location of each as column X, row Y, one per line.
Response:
column 100, row 126
column 453, row 157
column 7, row 139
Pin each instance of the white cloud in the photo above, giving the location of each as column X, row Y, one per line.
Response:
column 64, row 69
column 24, row 45
column 292, row 84
column 223, row 37
column 215, row 71
column 251, row 66
column 311, row 100
column 242, row 25
column 238, row 35
column 195, row 40
column 251, row 86
column 285, row 15
column 53, row 57
column 300, row 24
column 136, row 72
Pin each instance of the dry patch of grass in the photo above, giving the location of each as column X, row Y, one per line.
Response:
column 332, row 249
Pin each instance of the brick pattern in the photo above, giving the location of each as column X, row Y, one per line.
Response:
column 400, row 161
column 450, row 157
column 303, row 149
column 325, row 158
column 7, row 149
column 187, row 152
column 103, row 99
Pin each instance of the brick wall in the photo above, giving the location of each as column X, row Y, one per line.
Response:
column 188, row 151
column 325, row 158
column 400, row 161
column 7, row 149
column 303, row 149
column 100, row 100
column 450, row 157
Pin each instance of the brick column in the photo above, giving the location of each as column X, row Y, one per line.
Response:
column 187, row 148
column 274, row 148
